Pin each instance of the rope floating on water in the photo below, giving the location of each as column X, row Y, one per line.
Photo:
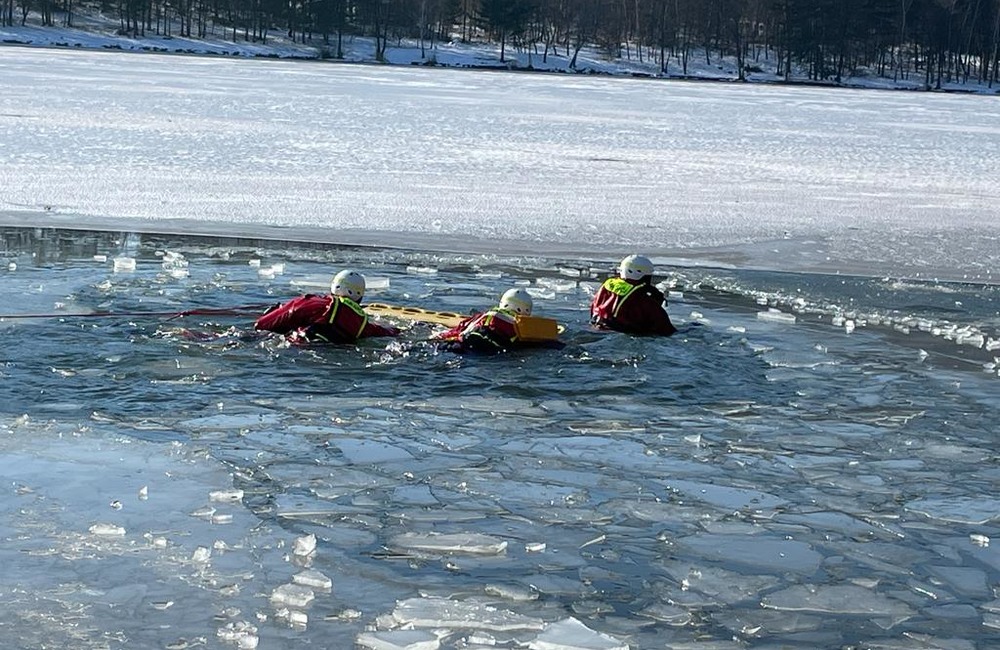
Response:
column 170, row 315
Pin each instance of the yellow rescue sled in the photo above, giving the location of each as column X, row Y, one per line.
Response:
column 532, row 329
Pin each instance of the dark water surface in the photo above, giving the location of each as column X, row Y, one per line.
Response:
column 822, row 476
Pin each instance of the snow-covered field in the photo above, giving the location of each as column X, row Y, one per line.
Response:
column 749, row 175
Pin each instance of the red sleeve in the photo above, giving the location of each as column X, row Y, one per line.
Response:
column 455, row 333
column 376, row 329
column 299, row 312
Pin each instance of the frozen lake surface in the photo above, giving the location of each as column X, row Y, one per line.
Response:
column 806, row 179
column 810, row 463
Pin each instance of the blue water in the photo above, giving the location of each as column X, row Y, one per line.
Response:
column 753, row 481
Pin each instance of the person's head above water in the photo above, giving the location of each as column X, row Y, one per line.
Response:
column 348, row 284
column 635, row 268
column 518, row 301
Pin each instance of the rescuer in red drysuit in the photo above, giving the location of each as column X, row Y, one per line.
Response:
column 336, row 318
column 630, row 303
column 492, row 331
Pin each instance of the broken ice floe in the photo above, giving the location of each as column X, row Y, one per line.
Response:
column 964, row 510
column 312, row 578
column 107, row 530
column 123, row 264
column 571, row 634
column 292, row 595
column 459, row 543
column 435, row 612
column 226, row 495
column 775, row 316
column 399, row 640
column 240, row 633
column 843, row 600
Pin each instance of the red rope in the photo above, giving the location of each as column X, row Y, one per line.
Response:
column 226, row 311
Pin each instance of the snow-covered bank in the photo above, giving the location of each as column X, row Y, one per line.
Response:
column 95, row 32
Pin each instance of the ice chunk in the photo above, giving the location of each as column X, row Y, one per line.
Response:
column 535, row 547
column 399, row 640
column 376, row 282
column 254, row 262
column 294, row 617
column 730, row 498
column 776, row 316
column 979, row 540
column 466, row 543
column 719, row 584
column 963, row 510
column 669, row 614
column 838, row 599
column 571, row 634
column 512, row 592
column 312, row 578
column 124, row 264
column 144, row 492
column 226, row 495
column 242, row 633
column 201, row 554
column 107, row 530
column 421, row 270
column 292, row 595
column 100, row 258
column 969, row 581
column 435, row 612
column 304, row 545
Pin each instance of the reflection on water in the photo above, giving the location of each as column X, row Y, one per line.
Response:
column 751, row 482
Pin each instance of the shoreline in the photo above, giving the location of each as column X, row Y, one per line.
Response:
column 479, row 60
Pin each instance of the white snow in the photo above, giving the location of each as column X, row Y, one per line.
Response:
column 794, row 178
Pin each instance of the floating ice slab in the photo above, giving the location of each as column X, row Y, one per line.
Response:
column 292, row 595
column 437, row 612
column 107, row 530
column 312, row 578
column 763, row 554
column 571, row 634
column 122, row 264
column 730, row 498
column 962, row 510
column 838, row 599
column 776, row 316
column 399, row 640
column 304, row 545
column 464, row 543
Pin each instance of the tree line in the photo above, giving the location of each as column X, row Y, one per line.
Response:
column 931, row 41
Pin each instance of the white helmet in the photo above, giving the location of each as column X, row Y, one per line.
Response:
column 517, row 301
column 635, row 267
column 348, row 284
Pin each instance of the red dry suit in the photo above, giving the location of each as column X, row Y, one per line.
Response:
column 631, row 306
column 492, row 331
column 331, row 319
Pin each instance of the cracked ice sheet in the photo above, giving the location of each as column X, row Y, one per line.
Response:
column 977, row 510
column 571, row 634
column 435, row 612
column 842, row 600
column 437, row 543
column 164, row 574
